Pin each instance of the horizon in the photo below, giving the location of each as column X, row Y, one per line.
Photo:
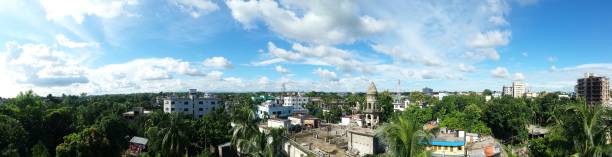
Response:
column 134, row 46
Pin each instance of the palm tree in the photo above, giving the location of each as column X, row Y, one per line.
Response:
column 249, row 140
column 404, row 136
column 591, row 140
column 168, row 134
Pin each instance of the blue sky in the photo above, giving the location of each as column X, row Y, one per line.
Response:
column 126, row 46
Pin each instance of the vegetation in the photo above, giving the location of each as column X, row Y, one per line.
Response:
column 405, row 136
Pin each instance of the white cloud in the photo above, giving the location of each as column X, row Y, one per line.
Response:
column 466, row 68
column 63, row 41
column 551, row 59
column 490, row 39
column 326, row 74
column 281, row 69
column 500, row 72
column 315, row 55
column 498, row 20
column 196, row 8
column 40, row 65
column 217, row 62
column 78, row 9
column 215, row 75
column 321, row 22
column 519, row 76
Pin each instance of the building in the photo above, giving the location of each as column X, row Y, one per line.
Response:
column 272, row 107
column 447, row 145
column 137, row 145
column 193, row 104
column 135, row 113
column 594, row 89
column 363, row 141
column 427, row 91
column 279, row 123
column 519, row 89
column 441, row 95
column 507, row 91
column 371, row 110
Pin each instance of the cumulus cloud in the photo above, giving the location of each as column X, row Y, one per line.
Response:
column 490, row 39
column 326, row 74
column 196, row 8
column 466, row 68
column 281, row 69
column 500, row 72
column 321, row 22
column 64, row 41
column 519, row 76
column 217, row 62
column 215, row 75
column 40, row 65
column 315, row 55
column 78, row 9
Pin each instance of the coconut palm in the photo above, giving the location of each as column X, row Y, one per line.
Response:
column 168, row 136
column 404, row 136
column 249, row 140
column 591, row 140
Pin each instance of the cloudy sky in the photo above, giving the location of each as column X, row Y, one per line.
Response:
column 125, row 46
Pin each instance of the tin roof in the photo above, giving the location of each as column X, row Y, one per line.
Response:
column 139, row 140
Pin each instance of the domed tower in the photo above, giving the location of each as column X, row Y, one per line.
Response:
column 371, row 109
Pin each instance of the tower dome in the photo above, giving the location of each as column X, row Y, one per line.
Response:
column 372, row 89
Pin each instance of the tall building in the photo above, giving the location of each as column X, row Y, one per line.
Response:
column 371, row 109
column 518, row 89
column 507, row 91
column 193, row 104
column 594, row 89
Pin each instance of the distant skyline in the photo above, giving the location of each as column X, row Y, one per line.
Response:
column 134, row 46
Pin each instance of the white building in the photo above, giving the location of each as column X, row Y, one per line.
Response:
column 441, row 95
column 282, row 107
column 518, row 89
column 193, row 104
column 279, row 123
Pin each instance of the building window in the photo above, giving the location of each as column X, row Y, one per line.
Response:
column 185, row 102
column 445, row 148
column 201, row 102
column 458, row 148
column 200, row 116
column 172, row 109
column 172, row 102
column 186, row 109
column 212, row 102
column 201, row 109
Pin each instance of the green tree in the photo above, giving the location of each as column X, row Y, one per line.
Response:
column 487, row 92
column 404, row 136
column 39, row 150
column 171, row 134
column 508, row 117
column 89, row 142
column 12, row 137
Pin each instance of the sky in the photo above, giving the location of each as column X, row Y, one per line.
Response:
column 133, row 46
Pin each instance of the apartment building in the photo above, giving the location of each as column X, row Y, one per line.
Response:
column 594, row 89
column 193, row 104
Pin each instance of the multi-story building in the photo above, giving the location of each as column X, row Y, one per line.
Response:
column 273, row 107
column 193, row 104
column 594, row 89
column 518, row 89
column 507, row 91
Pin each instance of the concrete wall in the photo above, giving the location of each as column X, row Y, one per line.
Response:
column 362, row 143
column 293, row 151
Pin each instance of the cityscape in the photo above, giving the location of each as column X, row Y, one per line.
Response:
column 320, row 78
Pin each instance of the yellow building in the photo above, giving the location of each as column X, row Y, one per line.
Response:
column 447, row 145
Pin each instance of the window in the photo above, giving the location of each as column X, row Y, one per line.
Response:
column 186, row 109
column 445, row 148
column 200, row 116
column 201, row 109
column 212, row 102
column 172, row 109
column 185, row 102
column 172, row 102
column 201, row 102
column 458, row 148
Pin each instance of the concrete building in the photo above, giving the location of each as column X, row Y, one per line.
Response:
column 507, row 91
column 272, row 107
column 279, row 123
column 363, row 141
column 447, row 145
column 518, row 89
column 594, row 89
column 193, row 104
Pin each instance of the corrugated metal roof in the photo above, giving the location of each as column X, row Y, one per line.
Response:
column 139, row 140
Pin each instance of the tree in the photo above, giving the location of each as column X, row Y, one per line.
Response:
column 57, row 123
column 404, row 136
column 588, row 131
column 508, row 117
column 170, row 134
column 385, row 104
column 39, row 150
column 487, row 92
column 12, row 137
column 89, row 142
